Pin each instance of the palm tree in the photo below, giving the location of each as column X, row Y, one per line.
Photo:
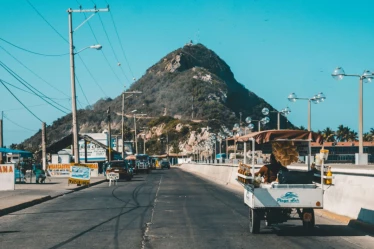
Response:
column 352, row 136
column 303, row 128
column 340, row 133
column 367, row 137
column 328, row 135
column 372, row 132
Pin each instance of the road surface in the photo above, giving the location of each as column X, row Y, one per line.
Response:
column 165, row 209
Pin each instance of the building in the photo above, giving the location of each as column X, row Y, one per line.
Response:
column 344, row 152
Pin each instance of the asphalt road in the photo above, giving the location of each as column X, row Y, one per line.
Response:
column 165, row 209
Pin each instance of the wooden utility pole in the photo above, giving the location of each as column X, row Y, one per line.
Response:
column 1, row 137
column 44, row 151
column 110, row 136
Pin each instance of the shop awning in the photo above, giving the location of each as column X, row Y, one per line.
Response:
column 273, row 135
column 22, row 153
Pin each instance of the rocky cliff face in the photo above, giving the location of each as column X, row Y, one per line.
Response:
column 191, row 82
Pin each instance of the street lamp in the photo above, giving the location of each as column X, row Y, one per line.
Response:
column 283, row 112
column 367, row 77
column 316, row 99
column 265, row 120
column 72, row 74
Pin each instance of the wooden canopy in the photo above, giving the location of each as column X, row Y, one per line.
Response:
column 273, row 135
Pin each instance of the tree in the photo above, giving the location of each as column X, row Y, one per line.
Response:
column 328, row 135
column 368, row 137
column 343, row 134
column 303, row 128
column 352, row 136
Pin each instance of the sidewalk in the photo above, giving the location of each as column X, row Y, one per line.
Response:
column 29, row 194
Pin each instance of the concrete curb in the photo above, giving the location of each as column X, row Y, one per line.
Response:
column 367, row 227
column 34, row 202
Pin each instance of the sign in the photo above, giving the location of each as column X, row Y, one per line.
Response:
column 63, row 169
column 289, row 197
column 302, row 147
column 79, row 174
column 112, row 176
column 7, row 177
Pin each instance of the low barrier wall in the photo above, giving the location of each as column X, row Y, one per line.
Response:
column 351, row 195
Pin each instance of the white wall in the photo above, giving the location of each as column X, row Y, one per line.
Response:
column 351, row 195
column 7, row 177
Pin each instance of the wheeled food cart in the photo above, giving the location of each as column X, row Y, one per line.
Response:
column 277, row 203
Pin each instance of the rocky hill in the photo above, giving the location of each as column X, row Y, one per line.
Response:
column 190, row 83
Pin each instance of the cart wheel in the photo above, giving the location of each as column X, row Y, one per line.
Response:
column 308, row 218
column 254, row 221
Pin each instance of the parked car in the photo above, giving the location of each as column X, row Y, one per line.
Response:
column 121, row 167
column 165, row 164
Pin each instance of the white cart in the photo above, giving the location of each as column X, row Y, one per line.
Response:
column 277, row 203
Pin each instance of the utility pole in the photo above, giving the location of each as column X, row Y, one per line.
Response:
column 110, row 135
column 123, row 116
column 1, row 136
column 72, row 75
column 136, row 138
column 44, row 152
column 123, row 126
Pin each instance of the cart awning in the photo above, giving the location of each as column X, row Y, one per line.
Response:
column 271, row 135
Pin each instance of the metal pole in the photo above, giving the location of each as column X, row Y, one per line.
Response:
column 167, row 144
column 136, row 139
column 122, row 130
column 360, row 118
column 1, row 138
column 309, row 115
column 279, row 123
column 259, row 125
column 110, row 136
column 73, row 93
column 144, row 144
column 44, row 152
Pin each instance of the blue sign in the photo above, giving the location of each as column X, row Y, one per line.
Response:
column 289, row 197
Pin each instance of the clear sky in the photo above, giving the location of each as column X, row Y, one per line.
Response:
column 273, row 48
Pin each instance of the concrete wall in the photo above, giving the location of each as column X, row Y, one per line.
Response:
column 351, row 195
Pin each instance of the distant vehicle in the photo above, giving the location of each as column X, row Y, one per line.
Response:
column 221, row 156
column 121, row 167
column 165, row 164
column 142, row 163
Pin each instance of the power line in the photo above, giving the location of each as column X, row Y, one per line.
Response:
column 6, row 117
column 120, row 42
column 102, row 52
column 20, row 101
column 31, row 71
column 29, row 86
column 110, row 43
column 21, row 108
column 47, row 21
column 29, row 51
column 80, row 86
column 94, row 79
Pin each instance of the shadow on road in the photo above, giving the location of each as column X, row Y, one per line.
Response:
column 319, row 231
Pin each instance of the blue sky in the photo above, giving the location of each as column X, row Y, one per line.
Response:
column 273, row 48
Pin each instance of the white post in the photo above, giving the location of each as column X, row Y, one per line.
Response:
column 245, row 152
column 122, row 130
column 279, row 124
column 309, row 115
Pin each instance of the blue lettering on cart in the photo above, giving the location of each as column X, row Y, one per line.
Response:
column 289, row 197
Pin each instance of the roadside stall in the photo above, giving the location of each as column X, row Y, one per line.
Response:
column 294, row 194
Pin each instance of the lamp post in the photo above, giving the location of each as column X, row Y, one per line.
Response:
column 265, row 120
column 365, row 77
column 72, row 75
column 316, row 99
column 283, row 112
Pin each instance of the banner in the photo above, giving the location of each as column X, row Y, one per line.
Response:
column 63, row 169
column 7, row 176
column 79, row 174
